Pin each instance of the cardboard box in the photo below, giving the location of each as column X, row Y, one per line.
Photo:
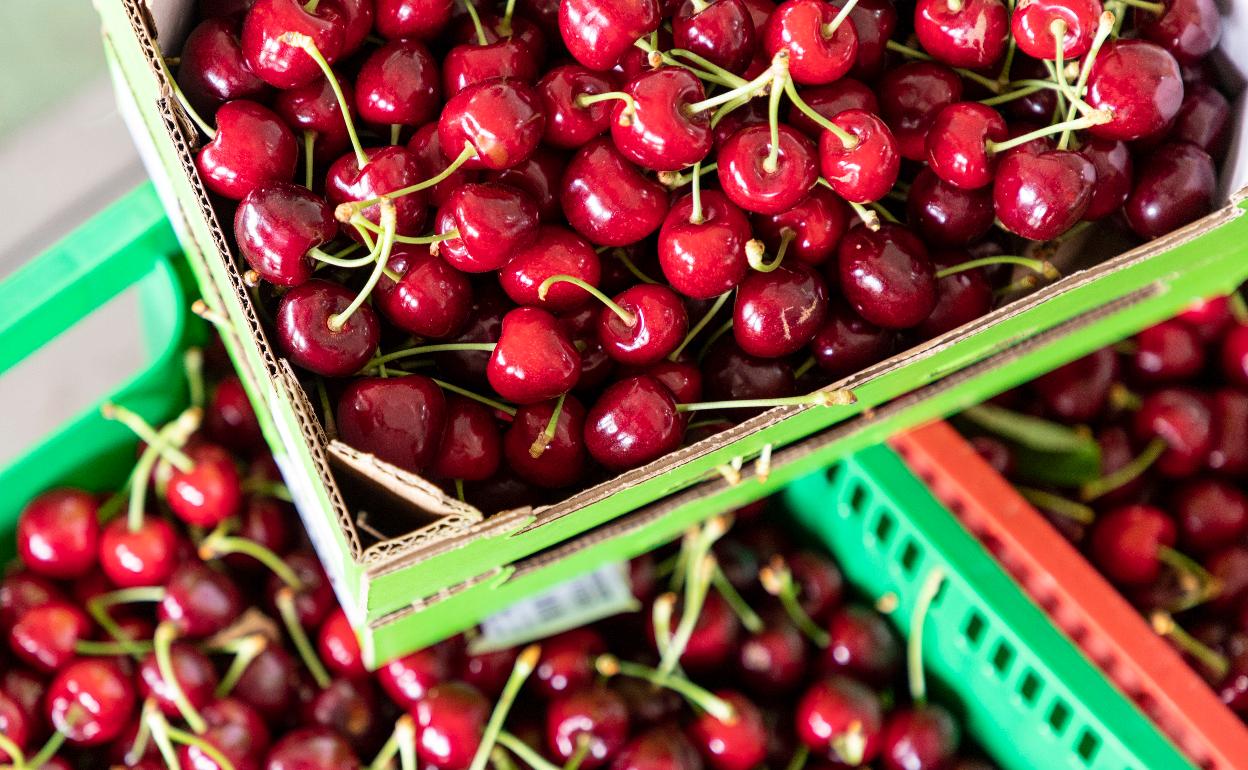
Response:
column 456, row 566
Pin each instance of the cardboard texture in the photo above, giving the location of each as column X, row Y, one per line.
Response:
column 456, row 565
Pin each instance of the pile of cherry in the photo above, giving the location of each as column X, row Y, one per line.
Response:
column 186, row 623
column 603, row 213
column 1152, row 484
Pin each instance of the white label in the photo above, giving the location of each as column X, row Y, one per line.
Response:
column 595, row 595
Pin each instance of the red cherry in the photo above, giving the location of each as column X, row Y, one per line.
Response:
column 1204, row 120
column 143, row 557
column 567, row 663
column 706, row 258
column 554, row 251
column 449, row 722
column 275, row 225
column 251, row 147
column 396, row 419
column 426, row 146
column 750, row 181
column 660, row 748
column 846, row 343
column 1175, row 185
column 211, row 68
column 1042, row 196
column 57, row 534
column 234, row 729
column 306, row 337
column 863, row 645
column 350, row 708
column 209, row 492
column 398, row 84
column 264, row 521
column 338, row 646
column 491, row 221
column 841, row 719
column 867, row 170
column 886, row 275
column 1126, row 542
column 315, row 108
column 1114, row 176
column 945, row 215
column 14, row 725
column 1234, row 356
column 875, row 22
column 90, row 701
column 485, row 321
column 818, row 51
column 959, row 144
column 501, row 119
column 1182, row 418
column 919, row 737
column 1037, row 23
column 657, row 130
column 473, row 62
column 963, row 296
column 910, row 98
column 971, row 33
column 1188, row 29
column 45, row 636
column 830, row 101
column 732, row 374
column 607, row 199
column 568, row 123
column 1229, row 454
column 533, row 360
column 777, row 313
column 1211, row 513
column 431, row 298
column 279, row 62
column 419, row 19
column 199, row 600
column 540, row 175
column 818, row 222
column 312, row 748
column 1079, row 391
column 737, row 744
column 22, row 591
column 315, row 599
column 633, row 422
column 1167, row 352
column 657, row 324
column 596, row 714
column 471, row 444
column 193, row 672
column 598, row 32
column 1141, row 86
column 722, row 31
column 268, row 684
column 562, row 462
column 388, row 169
column 407, row 679
column 774, row 659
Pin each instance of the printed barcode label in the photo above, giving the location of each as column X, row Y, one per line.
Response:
column 595, row 595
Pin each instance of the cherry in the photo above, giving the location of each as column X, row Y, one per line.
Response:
column 90, row 701
column 567, row 662
column 594, row 713
column 886, row 275
column 721, row 31
column 1038, row 108
column 57, row 534
column 194, row 674
column 280, row 62
column 963, row 296
column 387, row 170
column 1188, row 29
column 484, row 323
column 821, row 41
column 598, row 32
column 418, row 19
column 234, row 729
column 1229, row 453
column 426, row 145
column 911, row 96
column 1037, row 23
column 431, row 299
column 777, row 313
column 731, row 374
column 657, row 128
column 1167, row 352
column 488, row 222
column 315, row 597
column 211, row 68
column 471, row 445
column 407, row 679
column 1208, row 317
column 1229, row 567
column 315, row 108
column 840, row 719
column 449, row 722
column 540, row 175
column 349, row 707
column 607, row 199
column 199, row 600
column 817, row 222
column 659, row 748
column 774, row 659
column 398, row 84
column 1204, row 119
column 1183, row 419
column 25, row 689
column 863, row 645
column 1126, row 543
column 488, row 671
column 642, row 324
column 919, row 737
column 1115, row 173
column 268, row 684
column 276, row 225
column 946, row 215
column 862, row 164
column 554, row 251
column 846, row 343
column 207, row 492
column 23, row 591
column 874, row 21
column 306, row 334
column 596, row 365
column 959, row 144
column 1210, row 513
column 758, row 182
column 533, row 360
column 501, row 119
column 312, row 748
column 485, row 58
column 682, row 379
column 14, row 725
column 569, row 123
column 338, row 646
column 142, row 557
column 1175, row 185
column 1234, row 355
column 737, row 744
column 633, row 422
column 45, row 636
column 1042, row 196
column 964, row 33
column 704, row 258
column 562, row 461
column 398, row 420
column 830, row 101
column 1140, row 84
column 1078, row 391
column 250, row 147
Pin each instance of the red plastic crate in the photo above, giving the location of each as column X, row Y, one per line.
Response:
column 1081, row 602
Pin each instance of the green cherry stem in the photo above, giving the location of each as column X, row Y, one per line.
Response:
column 548, row 434
column 178, row 735
column 524, row 752
column 748, row 90
column 583, row 743
column 840, row 18
column 444, row 347
column 245, row 651
column 1005, row 98
column 838, row 397
column 493, row 404
column 740, row 607
column 631, row 266
column 146, row 432
column 346, row 211
column 755, row 252
column 16, row 756
column 661, row 612
column 674, row 179
column 914, row 645
column 720, row 331
column 162, row 642
column 847, row 139
column 697, row 584
column 799, row 759
column 695, row 213
column 158, row 726
column 914, row 53
column 219, row 544
column 1056, row 504
column 285, row 601
column 1038, row 266
column 780, row 78
column 476, row 22
column 422, row 240
column 1146, row 5
column 700, row 325
column 717, row 74
column 628, row 318
column 172, row 435
column 403, row 734
column 185, row 103
column 300, row 40
column 1111, row 482
column 98, row 606
column 1104, row 28
column 45, row 755
column 266, row 488
column 701, row 698
column 525, row 663
column 92, row 647
column 777, row 580
column 1095, row 118
column 805, row 367
column 870, row 218
column 630, row 106
column 1163, row 624
column 193, row 362
column 337, row 261
column 388, row 224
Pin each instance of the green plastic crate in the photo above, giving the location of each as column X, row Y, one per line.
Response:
column 1026, row 693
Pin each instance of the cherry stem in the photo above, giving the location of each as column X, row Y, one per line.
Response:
column 178, row 735
column 396, row 129
column 327, row 412
column 661, row 615
column 697, row 583
column 459, row 490
column 1058, row 29
column 162, row 642
column 630, row 106
column 1163, row 624
column 830, row 28
column 631, row 266
column 740, row 607
column 1014, row 95
column 675, row 179
column 629, row 319
column 97, row 607
column 193, row 362
column 185, row 103
column 445, row 347
column 548, row 434
column 756, row 251
column 388, row 224
column 525, row 663
column 1146, row 5
column 246, row 650
column 780, row 79
column 914, row 647
column 1189, row 570
column 346, row 211
column 699, row 697
column 806, row 366
column 870, row 218
column 311, row 5
column 219, row 544
column 1238, row 307
column 476, row 23
column 777, row 580
column 309, row 142
column 1010, row 52
column 1035, row 265
column 749, row 89
column 45, row 755
column 172, row 435
column 16, row 756
column 914, row 53
column 1104, row 28
column 524, row 751
column 695, row 213
column 158, row 726
column 800, row 757
column 700, row 325
column 1096, row 118
column 285, row 601
column 300, row 40
column 403, row 735
column 574, row 762
column 146, row 432
column 718, row 74
column 1056, row 504
column 883, row 212
column 422, row 240
column 1111, row 482
column 838, row 397
column 723, row 329
column 93, row 647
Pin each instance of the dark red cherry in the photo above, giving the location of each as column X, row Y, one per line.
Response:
column 143, row 557
column 777, row 313
column 863, row 645
column 1115, row 175
column 45, row 636
column 969, row 33
column 721, row 31
column 1229, row 567
column 15, row 725
column 562, row 462
column 961, row 297
column 886, row 275
column 818, row 52
column 269, row 682
column 683, row 379
column 193, row 672
column 540, row 175
column 830, row 101
column 1037, row 23
column 774, row 659
column 731, row 374
column 252, row 147
column 485, row 321
column 1042, row 196
column 1141, row 86
column 595, row 714
column 846, row 343
column 419, row 19
column 599, row 32
column 633, row 422
column 1038, row 108
column 1183, row 419
column 396, row 419
column 874, row 21
column 357, row 22
column 567, row 662
column 1126, row 541
column 57, row 534
column 1175, row 185
column 426, row 145
column 1167, row 352
column 22, row 591
column 919, row 738
column 1208, row 317
column 533, row 360
column 657, row 130
column 350, row 708
column 607, row 199
column 945, row 215
column 234, row 729
column 210, row 492
column 911, row 96
column 1188, row 29
column 306, row 336
column 519, row 27
column 1229, row 454
column 315, row 108
column 90, row 701
column 276, row 224
column 707, row 258
column 265, row 521
column 596, row 366
column 471, row 444
column 230, row 420
column 398, row 84
column 501, row 119
column 315, row 597
column 1210, row 513
column 568, row 123
column 1078, row 391
column 1235, row 355
column 449, row 723
column 407, row 679
column 658, row 324
column 737, row 744
column 554, row 251
column 431, row 298
column 279, row 62
column 388, row 169
column 1204, row 120
column 748, row 179
column 312, row 748
column 817, row 221
column 840, row 719
column 211, row 68
column 820, row 584
column 199, row 600
column 959, row 144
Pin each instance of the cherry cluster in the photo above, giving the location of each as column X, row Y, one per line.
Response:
column 1163, row 511
column 633, row 206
